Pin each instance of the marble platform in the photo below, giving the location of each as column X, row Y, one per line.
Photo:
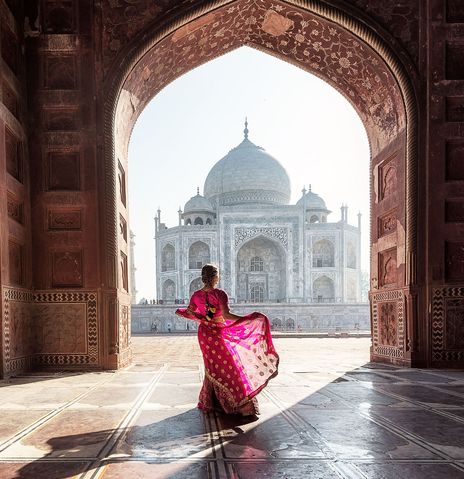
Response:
column 329, row 414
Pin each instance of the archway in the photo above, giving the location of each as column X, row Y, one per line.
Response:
column 261, row 271
column 195, row 285
column 338, row 49
column 199, row 254
column 323, row 290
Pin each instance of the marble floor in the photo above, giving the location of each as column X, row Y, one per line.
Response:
column 329, row 414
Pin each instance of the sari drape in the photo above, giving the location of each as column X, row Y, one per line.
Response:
column 239, row 355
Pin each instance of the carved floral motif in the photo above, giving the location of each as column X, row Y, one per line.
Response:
column 243, row 234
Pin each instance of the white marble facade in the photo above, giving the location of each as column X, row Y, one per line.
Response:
column 268, row 251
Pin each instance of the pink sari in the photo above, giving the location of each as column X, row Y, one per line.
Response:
column 239, row 355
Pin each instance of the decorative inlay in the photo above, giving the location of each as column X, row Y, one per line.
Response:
column 454, row 261
column 68, row 219
column 276, row 24
column 122, row 184
column 67, row 268
column 124, row 271
column 448, row 324
column 81, row 318
column 388, row 339
column 61, row 120
column 387, row 223
column 123, row 227
column 278, row 233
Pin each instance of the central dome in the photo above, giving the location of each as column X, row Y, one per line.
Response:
column 247, row 175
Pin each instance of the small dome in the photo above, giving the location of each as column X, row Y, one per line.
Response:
column 312, row 201
column 248, row 175
column 198, row 204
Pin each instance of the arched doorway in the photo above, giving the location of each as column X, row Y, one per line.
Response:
column 261, row 271
column 363, row 70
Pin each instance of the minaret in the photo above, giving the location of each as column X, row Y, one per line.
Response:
column 133, row 269
column 179, row 212
column 245, row 131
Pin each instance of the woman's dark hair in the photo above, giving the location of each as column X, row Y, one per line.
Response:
column 208, row 272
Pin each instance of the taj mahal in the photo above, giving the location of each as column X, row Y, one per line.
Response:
column 288, row 260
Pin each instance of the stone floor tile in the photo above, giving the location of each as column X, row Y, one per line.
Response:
column 283, row 470
column 410, row 471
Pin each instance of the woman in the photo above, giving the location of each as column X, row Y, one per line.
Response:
column 238, row 353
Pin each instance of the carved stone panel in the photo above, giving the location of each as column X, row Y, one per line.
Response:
column 122, row 184
column 15, row 208
column 67, row 268
column 448, row 325
column 124, row 326
column 454, row 318
column 13, row 155
column 455, row 160
column 275, row 24
column 387, row 267
column 388, row 178
column 124, row 271
column 387, row 223
column 61, row 120
column 60, row 73
column 16, row 263
column 388, row 327
column 66, row 328
column 455, row 11
column 68, row 219
column 455, row 60
column 123, row 227
column 60, row 328
column 454, row 211
column 59, row 16
column 63, row 171
column 455, row 108
column 454, row 259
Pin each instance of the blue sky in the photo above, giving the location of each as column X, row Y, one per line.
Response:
column 191, row 124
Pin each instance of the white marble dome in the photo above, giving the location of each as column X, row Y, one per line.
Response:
column 247, row 175
column 198, row 204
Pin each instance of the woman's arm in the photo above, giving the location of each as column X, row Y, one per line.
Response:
column 226, row 310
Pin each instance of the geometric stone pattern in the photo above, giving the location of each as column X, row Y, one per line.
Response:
column 387, row 316
column 447, row 325
column 142, row 422
column 66, row 328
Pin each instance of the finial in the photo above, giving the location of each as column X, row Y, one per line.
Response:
column 246, row 128
column 309, row 187
column 303, row 191
column 198, row 190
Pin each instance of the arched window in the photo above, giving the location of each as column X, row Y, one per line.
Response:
column 208, row 221
column 256, row 264
column 314, row 219
column 188, row 222
column 168, row 258
column 323, row 254
column 169, row 290
column 276, row 324
column 198, row 255
column 323, row 290
column 195, row 285
column 198, row 221
column 257, row 293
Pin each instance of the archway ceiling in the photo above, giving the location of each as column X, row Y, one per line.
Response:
column 300, row 37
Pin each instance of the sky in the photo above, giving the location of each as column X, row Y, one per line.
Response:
column 193, row 122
